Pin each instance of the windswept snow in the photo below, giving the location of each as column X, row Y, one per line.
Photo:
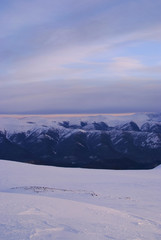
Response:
column 41, row 202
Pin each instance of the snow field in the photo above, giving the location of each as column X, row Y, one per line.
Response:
column 41, row 202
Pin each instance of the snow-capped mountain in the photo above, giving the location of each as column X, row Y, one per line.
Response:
column 110, row 142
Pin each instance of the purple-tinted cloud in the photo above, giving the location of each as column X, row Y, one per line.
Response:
column 61, row 55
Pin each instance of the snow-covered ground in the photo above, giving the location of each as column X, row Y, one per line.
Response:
column 48, row 203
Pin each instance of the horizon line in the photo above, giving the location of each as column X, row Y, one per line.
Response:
column 69, row 114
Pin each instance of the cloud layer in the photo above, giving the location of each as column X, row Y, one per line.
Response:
column 92, row 56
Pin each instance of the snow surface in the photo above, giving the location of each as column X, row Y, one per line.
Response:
column 48, row 203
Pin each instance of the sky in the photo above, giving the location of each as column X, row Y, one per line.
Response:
column 88, row 56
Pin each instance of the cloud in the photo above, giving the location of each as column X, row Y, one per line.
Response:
column 125, row 64
column 74, row 50
column 48, row 97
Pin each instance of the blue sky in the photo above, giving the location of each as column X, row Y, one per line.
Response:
column 68, row 56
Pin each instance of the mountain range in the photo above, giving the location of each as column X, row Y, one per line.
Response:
column 126, row 142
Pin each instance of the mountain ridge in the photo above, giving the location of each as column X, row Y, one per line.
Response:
column 87, row 144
